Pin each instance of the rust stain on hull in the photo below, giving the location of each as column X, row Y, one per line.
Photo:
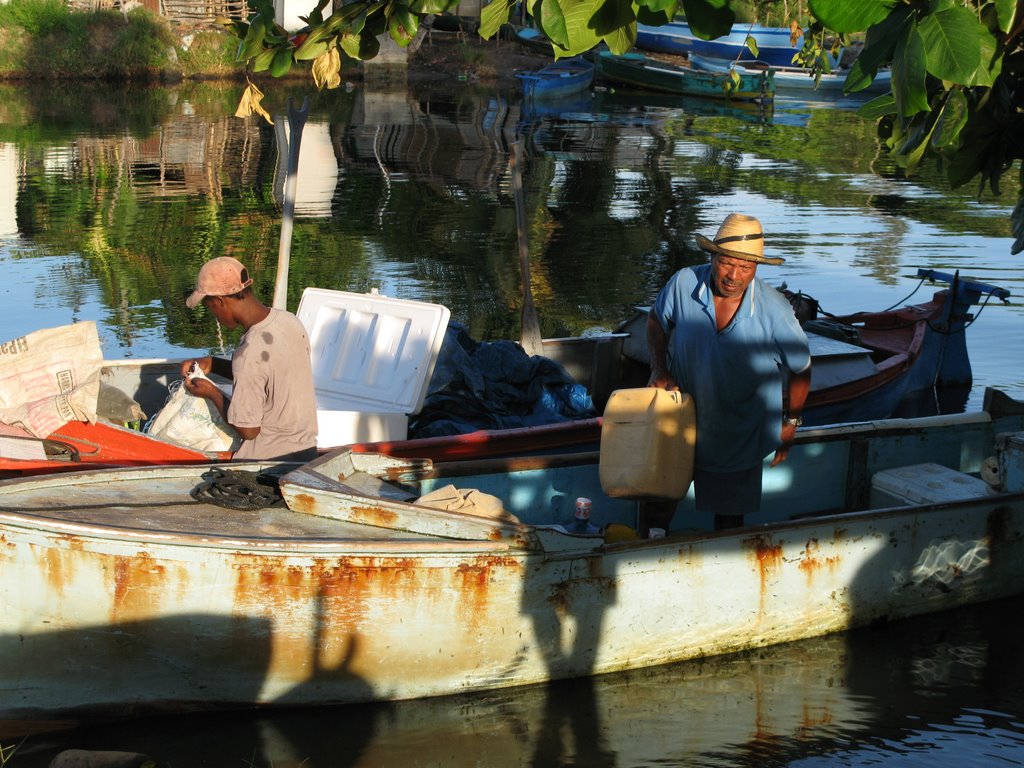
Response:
column 381, row 518
column 767, row 560
column 812, row 562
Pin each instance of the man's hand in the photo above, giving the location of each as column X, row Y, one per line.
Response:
column 201, row 387
column 788, row 435
column 662, row 380
column 205, row 365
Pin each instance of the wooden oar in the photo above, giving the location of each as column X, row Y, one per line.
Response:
column 296, row 122
column 529, row 329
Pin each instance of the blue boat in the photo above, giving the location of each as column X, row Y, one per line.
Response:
column 559, row 79
column 774, row 44
column 794, row 78
column 534, row 39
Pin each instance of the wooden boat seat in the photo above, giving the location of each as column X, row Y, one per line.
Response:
column 375, row 486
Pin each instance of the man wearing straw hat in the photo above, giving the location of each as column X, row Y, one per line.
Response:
column 731, row 341
column 272, row 404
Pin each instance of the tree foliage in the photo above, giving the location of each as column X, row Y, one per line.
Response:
column 957, row 93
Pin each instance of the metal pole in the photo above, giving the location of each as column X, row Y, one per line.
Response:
column 296, row 122
column 529, row 332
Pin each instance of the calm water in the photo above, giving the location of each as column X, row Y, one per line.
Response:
column 110, row 200
column 943, row 690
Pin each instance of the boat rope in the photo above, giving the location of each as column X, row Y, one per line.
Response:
column 945, row 332
column 54, row 450
column 901, row 302
column 238, row 489
column 967, row 323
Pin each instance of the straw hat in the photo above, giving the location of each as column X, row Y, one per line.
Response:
column 739, row 237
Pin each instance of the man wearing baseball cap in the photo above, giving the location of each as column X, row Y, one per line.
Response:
column 732, row 342
column 272, row 403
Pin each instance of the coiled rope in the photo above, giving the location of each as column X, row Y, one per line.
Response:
column 238, row 489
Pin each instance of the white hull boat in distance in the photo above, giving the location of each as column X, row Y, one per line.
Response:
column 124, row 595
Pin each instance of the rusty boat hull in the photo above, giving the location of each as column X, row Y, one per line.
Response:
column 123, row 595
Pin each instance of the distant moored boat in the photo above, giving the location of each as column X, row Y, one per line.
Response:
column 774, row 44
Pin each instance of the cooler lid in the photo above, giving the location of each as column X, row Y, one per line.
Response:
column 370, row 352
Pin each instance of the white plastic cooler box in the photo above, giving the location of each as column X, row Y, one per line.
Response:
column 372, row 360
column 927, row 483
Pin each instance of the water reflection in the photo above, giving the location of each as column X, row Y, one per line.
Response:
column 927, row 692
column 408, row 192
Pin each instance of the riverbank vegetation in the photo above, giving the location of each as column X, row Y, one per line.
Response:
column 47, row 40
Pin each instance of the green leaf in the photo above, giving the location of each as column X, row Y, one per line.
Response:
column 261, row 61
column 850, row 15
column 881, row 40
column 621, row 40
column 493, row 16
column 857, row 79
column 665, row 7
column 552, row 21
column 265, row 8
column 581, row 34
column 991, row 64
column 1006, row 10
column 314, row 42
column 436, row 7
column 236, row 28
column 950, row 122
column 402, row 25
column 376, row 23
column 966, row 164
column 878, row 107
column 645, row 15
column 611, row 16
column 951, row 40
column 309, row 51
column 350, row 44
column 709, row 18
column 282, row 62
column 253, row 42
column 346, row 15
column 751, row 45
column 908, row 75
column 358, row 24
column 369, row 46
column 914, row 147
column 317, row 15
column 734, row 81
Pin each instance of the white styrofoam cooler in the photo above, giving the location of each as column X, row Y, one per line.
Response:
column 372, row 360
column 924, row 484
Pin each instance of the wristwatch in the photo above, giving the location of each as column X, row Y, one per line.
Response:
column 794, row 421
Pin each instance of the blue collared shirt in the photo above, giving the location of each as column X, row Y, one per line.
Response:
column 734, row 376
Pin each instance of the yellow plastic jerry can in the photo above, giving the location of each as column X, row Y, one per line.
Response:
column 648, row 437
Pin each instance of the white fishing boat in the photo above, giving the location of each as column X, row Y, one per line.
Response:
column 126, row 594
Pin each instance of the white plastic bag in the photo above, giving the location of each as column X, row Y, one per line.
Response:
column 193, row 422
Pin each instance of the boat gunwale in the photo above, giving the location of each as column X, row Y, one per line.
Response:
column 446, row 548
column 49, row 520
